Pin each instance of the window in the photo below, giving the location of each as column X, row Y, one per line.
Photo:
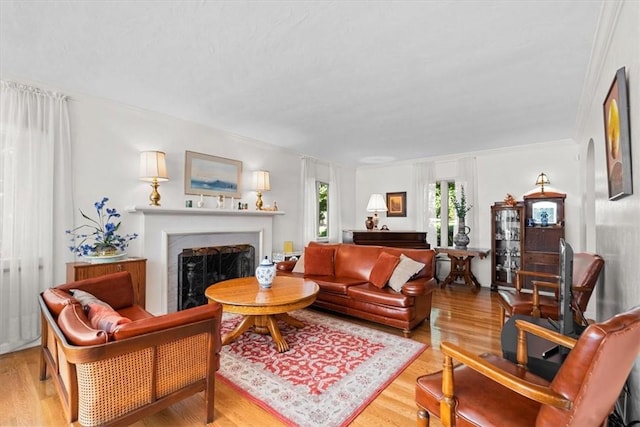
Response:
column 445, row 213
column 322, row 196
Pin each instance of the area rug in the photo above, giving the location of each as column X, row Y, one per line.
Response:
column 332, row 371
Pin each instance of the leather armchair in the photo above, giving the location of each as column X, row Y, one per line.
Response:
column 142, row 367
column 586, row 270
column 489, row 390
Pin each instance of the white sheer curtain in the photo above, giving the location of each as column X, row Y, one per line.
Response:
column 335, row 221
column 35, row 208
column 424, row 184
column 468, row 176
column 311, row 172
column 309, row 203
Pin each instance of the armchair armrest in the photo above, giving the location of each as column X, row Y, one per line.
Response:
column 547, row 334
column 539, row 274
column 528, row 389
column 535, row 312
column 286, row 265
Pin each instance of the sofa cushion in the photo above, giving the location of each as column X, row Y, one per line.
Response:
column 57, row 299
column 337, row 285
column 370, row 294
column 85, row 298
column 104, row 317
column 382, row 270
column 76, row 327
column 318, row 261
column 405, row 269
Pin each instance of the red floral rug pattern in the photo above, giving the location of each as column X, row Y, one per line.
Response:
column 332, row 371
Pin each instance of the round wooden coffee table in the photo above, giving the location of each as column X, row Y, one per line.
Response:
column 262, row 308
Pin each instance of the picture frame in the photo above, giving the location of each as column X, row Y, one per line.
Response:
column 617, row 137
column 397, row 204
column 212, row 176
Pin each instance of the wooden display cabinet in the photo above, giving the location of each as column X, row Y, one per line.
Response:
column 544, row 228
column 136, row 266
column 507, row 237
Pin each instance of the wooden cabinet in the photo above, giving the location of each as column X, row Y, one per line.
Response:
column 136, row 266
column 544, row 214
column 507, row 240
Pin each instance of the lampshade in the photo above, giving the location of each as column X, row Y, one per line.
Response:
column 261, row 181
column 542, row 180
column 376, row 203
column 153, row 166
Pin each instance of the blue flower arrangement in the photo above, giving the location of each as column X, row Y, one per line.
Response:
column 99, row 237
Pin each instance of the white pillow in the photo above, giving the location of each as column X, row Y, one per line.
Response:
column 299, row 267
column 406, row 268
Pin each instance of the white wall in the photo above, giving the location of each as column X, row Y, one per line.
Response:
column 107, row 138
column 617, row 236
column 509, row 170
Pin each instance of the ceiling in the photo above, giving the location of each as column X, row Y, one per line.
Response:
column 353, row 82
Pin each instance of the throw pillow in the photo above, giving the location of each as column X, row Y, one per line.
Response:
column 383, row 268
column 105, row 318
column 85, row 298
column 406, row 268
column 318, row 261
column 299, row 267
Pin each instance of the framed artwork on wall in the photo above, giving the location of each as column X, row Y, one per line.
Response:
column 397, row 204
column 212, row 176
column 617, row 137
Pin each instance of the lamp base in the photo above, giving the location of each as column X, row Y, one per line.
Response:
column 259, row 203
column 375, row 220
column 154, row 197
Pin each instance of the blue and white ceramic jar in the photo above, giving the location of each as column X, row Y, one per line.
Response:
column 265, row 273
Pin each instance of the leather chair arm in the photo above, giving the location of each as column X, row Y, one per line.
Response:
column 168, row 321
column 286, row 265
column 419, row 287
column 530, row 390
column 547, row 334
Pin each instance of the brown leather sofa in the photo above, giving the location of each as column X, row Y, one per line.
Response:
column 127, row 368
column 348, row 290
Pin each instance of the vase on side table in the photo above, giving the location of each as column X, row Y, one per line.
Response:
column 461, row 239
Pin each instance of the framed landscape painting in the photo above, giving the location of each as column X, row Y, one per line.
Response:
column 397, row 204
column 617, row 137
column 212, row 176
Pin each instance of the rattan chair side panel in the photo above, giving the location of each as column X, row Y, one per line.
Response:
column 181, row 363
column 113, row 387
column 63, row 367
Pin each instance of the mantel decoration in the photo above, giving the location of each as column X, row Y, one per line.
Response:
column 461, row 239
column 98, row 239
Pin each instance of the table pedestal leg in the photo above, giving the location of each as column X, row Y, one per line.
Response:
column 264, row 324
column 461, row 269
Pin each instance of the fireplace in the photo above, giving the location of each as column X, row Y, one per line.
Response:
column 199, row 268
column 165, row 232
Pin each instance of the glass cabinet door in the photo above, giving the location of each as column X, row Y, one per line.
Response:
column 507, row 229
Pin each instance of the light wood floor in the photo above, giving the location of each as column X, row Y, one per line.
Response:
column 458, row 315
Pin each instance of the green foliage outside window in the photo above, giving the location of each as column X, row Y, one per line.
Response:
column 322, row 190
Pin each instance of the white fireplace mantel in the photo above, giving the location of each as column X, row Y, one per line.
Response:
column 164, row 227
column 150, row 210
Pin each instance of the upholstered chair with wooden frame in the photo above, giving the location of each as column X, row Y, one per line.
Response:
column 489, row 390
column 143, row 365
column 586, row 271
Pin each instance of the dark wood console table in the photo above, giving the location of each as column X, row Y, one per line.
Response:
column 461, row 265
column 397, row 239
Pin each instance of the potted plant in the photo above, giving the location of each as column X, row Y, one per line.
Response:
column 99, row 237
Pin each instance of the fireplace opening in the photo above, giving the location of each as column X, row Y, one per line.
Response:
column 199, row 268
